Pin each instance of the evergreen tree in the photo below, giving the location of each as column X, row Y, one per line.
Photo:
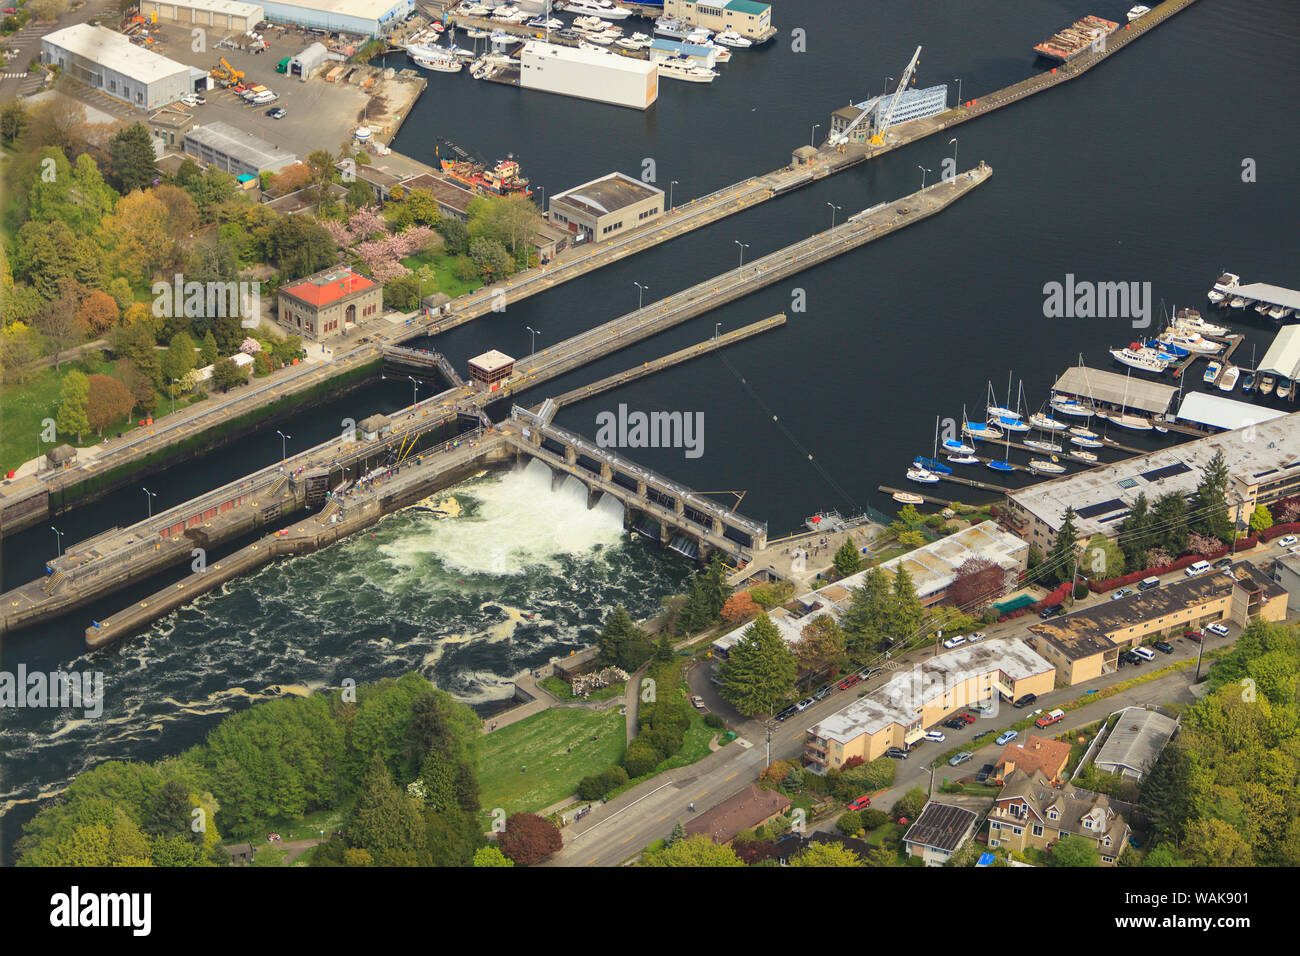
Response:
column 72, row 418
column 678, row 834
column 208, row 350
column 865, row 620
column 905, row 611
column 847, row 559
column 1061, row 559
column 1210, row 504
column 622, row 643
column 385, row 821
column 132, row 157
column 1135, row 534
column 759, row 671
column 1169, row 518
column 1165, row 795
column 664, row 649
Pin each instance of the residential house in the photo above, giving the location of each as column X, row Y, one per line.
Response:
column 1029, row 812
column 938, row 832
column 750, row 808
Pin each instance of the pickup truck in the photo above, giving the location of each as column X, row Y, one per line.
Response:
column 1049, row 718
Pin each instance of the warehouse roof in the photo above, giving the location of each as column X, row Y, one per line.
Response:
column 748, row 6
column 1136, row 742
column 1115, row 389
column 1201, row 408
column 1272, row 294
column 1283, row 356
column 115, row 52
column 252, row 11
column 534, row 49
column 607, row 194
column 365, row 9
column 232, row 141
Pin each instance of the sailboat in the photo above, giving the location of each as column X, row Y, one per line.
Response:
column 1046, row 467
column 1005, row 463
column 1071, row 406
column 933, row 464
column 1083, row 442
column 955, row 447
column 977, row 429
column 1123, row 419
column 1087, row 456
column 1006, row 418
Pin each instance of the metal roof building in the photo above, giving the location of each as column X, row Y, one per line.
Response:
column 232, row 15
column 1135, row 743
column 1202, row 408
column 1283, row 356
column 107, row 61
column 1272, row 294
column 362, row 17
column 233, row 150
column 1111, row 388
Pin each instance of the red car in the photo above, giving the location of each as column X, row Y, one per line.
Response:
column 11, row 10
column 1195, row 636
column 850, row 681
column 861, row 803
column 965, row 718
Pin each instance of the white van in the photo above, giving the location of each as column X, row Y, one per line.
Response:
column 1146, row 584
column 1200, row 567
column 1145, row 653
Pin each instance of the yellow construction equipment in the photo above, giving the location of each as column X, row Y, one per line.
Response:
column 235, row 75
column 888, row 115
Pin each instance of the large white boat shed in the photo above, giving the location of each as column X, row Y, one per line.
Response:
column 232, row 15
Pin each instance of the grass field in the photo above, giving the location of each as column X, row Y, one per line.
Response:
column 446, row 279
column 541, row 743
column 564, row 692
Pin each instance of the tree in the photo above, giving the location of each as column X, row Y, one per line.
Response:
column 208, row 350
column 740, row 607
column 759, row 670
column 1071, row 850
column 109, row 401
column 529, row 839
column 18, row 350
column 905, row 611
column 510, row 221
column 826, row 854
column 456, row 235
column 866, row 621
column 1210, row 503
column 299, row 247
column 490, row 258
column 622, row 644
column 1169, row 524
column 847, row 560
column 696, row 851
column 13, row 121
column 226, row 374
column 849, row 823
column 1260, row 519
column 57, row 320
column 74, row 394
column 1060, row 562
column 678, row 833
column 977, row 583
column 1165, row 795
column 97, row 312
column 402, row 293
column 418, row 207
column 823, row 646
column 177, row 360
column 132, row 159
column 385, row 821
column 1214, row 842
column 910, row 804
column 137, row 231
column 491, row 856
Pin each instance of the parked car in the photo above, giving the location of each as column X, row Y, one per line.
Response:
column 1025, row 701
column 870, row 672
column 984, row 773
column 1222, row 563
column 959, row 758
column 977, row 636
column 1128, row 657
column 897, row 753
column 278, row 112
column 787, row 713
column 850, row 681
column 1197, row 567
column 986, row 709
column 1007, row 737
column 954, row 723
column 200, row 99
column 1052, row 610
column 1287, row 541
column 965, row 718
column 1217, row 628
column 861, row 803
column 1195, row 636
column 957, row 641
column 1164, row 647
column 805, row 703
column 821, row 693
column 935, row 735
column 697, row 702
column 1121, row 593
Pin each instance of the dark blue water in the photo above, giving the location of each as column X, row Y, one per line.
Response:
column 1130, row 173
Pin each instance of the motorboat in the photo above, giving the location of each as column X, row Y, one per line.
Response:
column 1216, row 297
column 1284, row 387
column 477, row 33
column 1140, row 357
column 955, row 447
column 720, row 53
column 1212, row 372
column 1248, row 383
column 600, row 8
column 1228, row 381
column 1046, row 422
column 1082, row 442
column 1191, row 341
column 683, row 69
column 1238, row 302
column 1262, row 308
column 436, row 58
column 678, row 29
column 591, row 25
column 509, row 14
column 1227, row 282
column 732, row 38
column 963, row 459
column 1266, row 385
column 1087, row 456
column 1189, row 320
column 907, row 498
column 922, row 475
column 1277, row 313
column 545, row 23
column 1138, row 12
column 1040, row 445
column 1071, row 406
column 603, row 39
column 637, row 41
column 1044, row 467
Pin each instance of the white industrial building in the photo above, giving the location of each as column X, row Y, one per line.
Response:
column 370, row 18
column 913, row 104
column 588, row 75
column 232, row 15
column 107, row 61
column 235, row 151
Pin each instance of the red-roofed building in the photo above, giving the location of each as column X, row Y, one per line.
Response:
column 328, row 304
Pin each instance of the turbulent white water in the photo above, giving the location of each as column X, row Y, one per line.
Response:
column 478, row 583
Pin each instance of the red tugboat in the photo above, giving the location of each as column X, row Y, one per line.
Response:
column 503, row 179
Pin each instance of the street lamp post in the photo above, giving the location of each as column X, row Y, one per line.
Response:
column 671, row 184
column 149, row 496
column 812, row 140
column 958, row 79
column 58, row 540
column 923, row 172
column 716, row 326
column 834, row 208
column 953, row 143
column 415, row 389
column 743, row 247
column 640, row 291
column 283, row 447
column 887, row 82
column 532, row 340
column 171, row 381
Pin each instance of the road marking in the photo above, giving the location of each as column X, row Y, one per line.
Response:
column 733, row 776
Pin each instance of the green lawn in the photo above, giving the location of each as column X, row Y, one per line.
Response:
column 442, row 268
column 27, row 406
column 563, row 691
column 541, row 743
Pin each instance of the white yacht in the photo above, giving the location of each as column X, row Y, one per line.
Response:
column 1143, row 359
column 1228, row 380
column 1190, row 341
column 732, row 38
column 509, row 14
column 1227, row 282
column 600, row 8
column 1238, row 301
column 720, row 53
column 545, row 23
column 1138, row 12
column 1277, row 313
column 1046, row 422
column 1042, row 445
column 434, row 58
column 637, row 41
column 1189, row 320
column 685, row 70
column 1043, row 467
